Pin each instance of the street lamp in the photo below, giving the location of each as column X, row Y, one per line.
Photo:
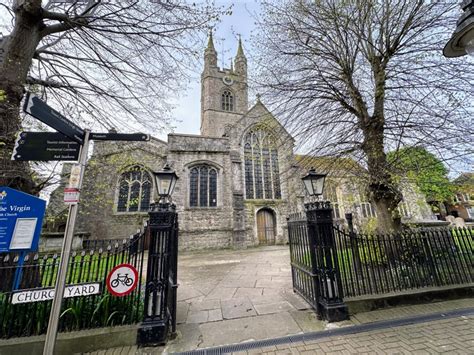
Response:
column 462, row 40
column 314, row 182
column 165, row 181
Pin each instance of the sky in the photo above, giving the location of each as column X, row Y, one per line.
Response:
column 241, row 22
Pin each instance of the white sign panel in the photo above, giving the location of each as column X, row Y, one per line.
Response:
column 23, row 233
column 75, row 176
column 47, row 294
column 71, row 196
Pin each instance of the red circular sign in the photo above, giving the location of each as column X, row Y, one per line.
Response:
column 122, row 280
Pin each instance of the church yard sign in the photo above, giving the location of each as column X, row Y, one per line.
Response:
column 21, row 218
column 47, row 294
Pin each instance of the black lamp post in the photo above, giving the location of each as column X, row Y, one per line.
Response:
column 462, row 40
column 330, row 305
column 159, row 311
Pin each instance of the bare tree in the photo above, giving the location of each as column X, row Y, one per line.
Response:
column 361, row 78
column 112, row 63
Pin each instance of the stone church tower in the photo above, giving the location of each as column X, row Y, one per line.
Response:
column 224, row 92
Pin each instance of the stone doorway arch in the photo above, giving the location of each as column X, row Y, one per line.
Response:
column 266, row 226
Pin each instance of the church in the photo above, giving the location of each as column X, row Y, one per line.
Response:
column 238, row 180
column 236, row 183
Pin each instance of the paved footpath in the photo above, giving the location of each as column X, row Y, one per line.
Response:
column 234, row 297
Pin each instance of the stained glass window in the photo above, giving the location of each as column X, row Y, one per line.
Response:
column 227, row 101
column 134, row 191
column 203, row 186
column 262, row 176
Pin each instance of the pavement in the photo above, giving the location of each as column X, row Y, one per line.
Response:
column 245, row 297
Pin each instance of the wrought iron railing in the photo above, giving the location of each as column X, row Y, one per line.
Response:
column 411, row 259
column 38, row 271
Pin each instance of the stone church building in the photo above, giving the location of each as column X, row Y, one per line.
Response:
column 235, row 178
column 238, row 180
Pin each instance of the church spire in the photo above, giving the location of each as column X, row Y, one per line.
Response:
column 210, row 42
column 240, row 51
column 210, row 54
column 240, row 60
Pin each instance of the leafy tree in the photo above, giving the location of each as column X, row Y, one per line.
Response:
column 424, row 169
column 108, row 63
column 361, row 78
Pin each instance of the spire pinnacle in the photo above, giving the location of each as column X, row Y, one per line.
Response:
column 240, row 51
column 210, row 43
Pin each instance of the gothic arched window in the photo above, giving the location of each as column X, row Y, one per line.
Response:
column 227, row 100
column 134, row 191
column 262, row 175
column 202, row 186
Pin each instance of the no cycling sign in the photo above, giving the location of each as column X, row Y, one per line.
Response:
column 122, row 280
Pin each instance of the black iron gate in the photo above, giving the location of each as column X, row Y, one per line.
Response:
column 314, row 262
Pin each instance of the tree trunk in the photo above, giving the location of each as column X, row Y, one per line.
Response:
column 381, row 188
column 13, row 73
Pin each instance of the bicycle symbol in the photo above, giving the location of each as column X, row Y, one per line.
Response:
column 121, row 279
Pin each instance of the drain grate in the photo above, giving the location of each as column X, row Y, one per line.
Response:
column 226, row 349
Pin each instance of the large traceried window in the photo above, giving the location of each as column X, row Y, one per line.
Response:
column 227, row 101
column 134, row 191
column 262, row 175
column 202, row 186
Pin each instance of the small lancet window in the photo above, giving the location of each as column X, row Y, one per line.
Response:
column 227, row 101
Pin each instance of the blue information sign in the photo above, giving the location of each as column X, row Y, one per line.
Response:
column 21, row 218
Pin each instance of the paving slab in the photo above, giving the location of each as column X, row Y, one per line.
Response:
column 276, row 307
column 247, row 329
column 204, row 305
column 237, row 308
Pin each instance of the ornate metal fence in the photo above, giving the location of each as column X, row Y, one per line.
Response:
column 412, row 259
column 38, row 271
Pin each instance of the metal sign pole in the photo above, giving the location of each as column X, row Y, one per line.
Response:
column 66, row 250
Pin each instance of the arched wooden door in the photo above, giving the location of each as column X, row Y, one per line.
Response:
column 266, row 225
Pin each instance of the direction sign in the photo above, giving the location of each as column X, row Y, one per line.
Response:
column 122, row 280
column 40, row 110
column 120, row 136
column 21, row 217
column 45, row 146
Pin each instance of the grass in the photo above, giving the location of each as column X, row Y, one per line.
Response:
column 77, row 313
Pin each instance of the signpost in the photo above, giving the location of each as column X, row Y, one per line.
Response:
column 46, row 114
column 54, row 146
column 45, row 146
column 66, row 250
